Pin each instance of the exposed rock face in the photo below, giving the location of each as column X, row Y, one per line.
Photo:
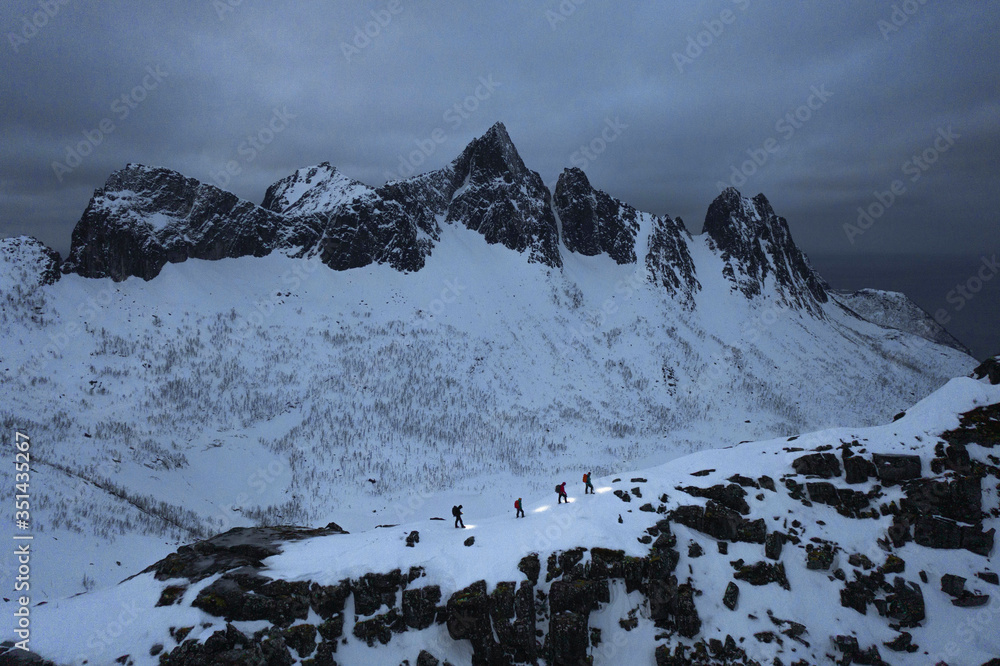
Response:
column 757, row 248
column 144, row 217
column 503, row 200
column 592, row 221
column 668, row 259
column 989, row 369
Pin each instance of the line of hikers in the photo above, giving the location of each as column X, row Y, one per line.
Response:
column 588, row 488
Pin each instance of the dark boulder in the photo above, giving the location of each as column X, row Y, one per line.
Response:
column 420, row 605
column 858, row 469
column 730, row 496
column 953, row 585
column 530, row 567
column 990, row 369
column 579, row 596
column 819, row 558
column 773, row 544
column 892, row 469
column 425, row 658
column 380, row 627
column 905, row 603
column 278, row 602
column 762, row 573
column 958, row 499
column 824, row 465
column 328, row 600
column 567, row 641
column 731, row 596
column 374, row 590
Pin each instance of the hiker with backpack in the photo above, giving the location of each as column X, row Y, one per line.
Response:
column 457, row 512
column 520, row 511
column 589, row 488
column 561, row 491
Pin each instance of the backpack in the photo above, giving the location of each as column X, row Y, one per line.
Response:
column 585, row 478
column 559, row 489
column 517, row 504
column 454, row 511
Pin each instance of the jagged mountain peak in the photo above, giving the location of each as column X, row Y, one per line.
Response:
column 594, row 222
column 757, row 247
column 493, row 155
column 313, row 190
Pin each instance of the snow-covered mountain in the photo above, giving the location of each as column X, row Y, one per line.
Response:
column 895, row 310
column 848, row 545
column 472, row 352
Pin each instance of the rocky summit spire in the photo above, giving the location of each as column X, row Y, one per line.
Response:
column 594, row 222
column 757, row 250
column 504, row 200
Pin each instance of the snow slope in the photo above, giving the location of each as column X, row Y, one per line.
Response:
column 70, row 630
column 270, row 390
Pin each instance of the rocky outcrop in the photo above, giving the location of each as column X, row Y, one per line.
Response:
column 757, row 251
column 503, row 200
column 144, row 217
column 988, row 369
column 27, row 264
column 668, row 260
column 593, row 222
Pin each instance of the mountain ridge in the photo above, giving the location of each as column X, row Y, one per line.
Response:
column 487, row 188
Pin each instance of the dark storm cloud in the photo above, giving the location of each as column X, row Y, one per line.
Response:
column 820, row 106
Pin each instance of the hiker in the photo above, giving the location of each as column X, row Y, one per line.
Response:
column 561, row 490
column 520, row 511
column 457, row 512
column 589, row 488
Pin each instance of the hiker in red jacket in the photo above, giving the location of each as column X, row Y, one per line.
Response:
column 589, row 488
column 561, row 490
column 520, row 511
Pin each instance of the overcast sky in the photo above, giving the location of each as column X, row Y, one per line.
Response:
column 819, row 105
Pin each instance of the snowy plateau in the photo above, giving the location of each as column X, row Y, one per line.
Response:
column 248, row 422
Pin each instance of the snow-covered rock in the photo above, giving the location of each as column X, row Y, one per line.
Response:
column 895, row 310
column 755, row 245
column 144, row 217
column 849, row 545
